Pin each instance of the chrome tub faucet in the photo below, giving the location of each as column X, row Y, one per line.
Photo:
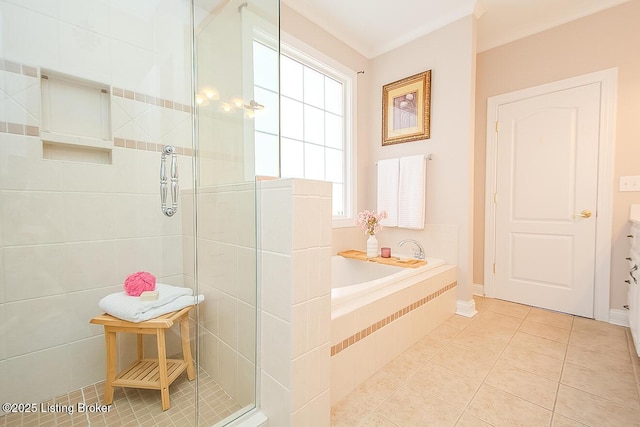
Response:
column 417, row 253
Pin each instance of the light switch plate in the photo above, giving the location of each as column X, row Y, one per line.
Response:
column 630, row 183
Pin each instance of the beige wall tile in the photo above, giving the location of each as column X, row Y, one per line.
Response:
column 276, row 348
column 30, row 218
column 365, row 355
column 228, row 320
column 24, row 282
column 38, row 376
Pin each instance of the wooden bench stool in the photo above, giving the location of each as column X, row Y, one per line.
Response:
column 154, row 374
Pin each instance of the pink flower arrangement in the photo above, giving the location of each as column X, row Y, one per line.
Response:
column 369, row 221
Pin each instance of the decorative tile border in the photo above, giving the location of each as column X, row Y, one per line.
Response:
column 148, row 146
column 14, row 67
column 19, row 129
column 382, row 323
column 152, row 100
column 27, row 130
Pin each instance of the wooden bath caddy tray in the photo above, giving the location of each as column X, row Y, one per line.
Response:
column 395, row 261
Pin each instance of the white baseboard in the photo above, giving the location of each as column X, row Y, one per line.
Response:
column 478, row 290
column 466, row 308
column 619, row 317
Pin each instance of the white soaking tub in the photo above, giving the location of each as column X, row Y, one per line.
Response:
column 378, row 311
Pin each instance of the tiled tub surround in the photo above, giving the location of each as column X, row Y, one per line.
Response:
column 368, row 333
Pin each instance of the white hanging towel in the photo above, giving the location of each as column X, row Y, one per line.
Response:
column 411, row 192
column 388, row 174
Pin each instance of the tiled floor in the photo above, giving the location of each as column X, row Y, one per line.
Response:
column 511, row 365
column 136, row 407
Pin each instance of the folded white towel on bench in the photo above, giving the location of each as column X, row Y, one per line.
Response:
column 131, row 309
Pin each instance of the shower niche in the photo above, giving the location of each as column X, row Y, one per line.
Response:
column 76, row 119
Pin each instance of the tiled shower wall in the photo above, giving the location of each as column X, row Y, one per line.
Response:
column 295, row 310
column 70, row 232
column 227, row 278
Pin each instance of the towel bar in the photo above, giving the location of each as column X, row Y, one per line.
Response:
column 426, row 156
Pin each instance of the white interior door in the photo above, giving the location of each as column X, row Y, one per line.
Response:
column 546, row 200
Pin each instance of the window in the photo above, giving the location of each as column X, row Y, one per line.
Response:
column 315, row 124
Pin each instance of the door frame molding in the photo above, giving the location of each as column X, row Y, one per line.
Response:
column 608, row 80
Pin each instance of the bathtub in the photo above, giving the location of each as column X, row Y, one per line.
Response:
column 378, row 311
column 360, row 282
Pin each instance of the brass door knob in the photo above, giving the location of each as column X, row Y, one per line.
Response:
column 584, row 214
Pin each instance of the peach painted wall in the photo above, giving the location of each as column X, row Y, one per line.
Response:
column 449, row 53
column 604, row 40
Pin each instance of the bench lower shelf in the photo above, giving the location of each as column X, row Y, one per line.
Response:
column 145, row 373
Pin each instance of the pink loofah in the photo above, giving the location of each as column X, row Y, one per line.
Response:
column 137, row 283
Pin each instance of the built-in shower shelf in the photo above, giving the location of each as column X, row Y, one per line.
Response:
column 395, row 261
column 75, row 153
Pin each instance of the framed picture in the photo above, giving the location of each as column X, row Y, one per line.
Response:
column 406, row 107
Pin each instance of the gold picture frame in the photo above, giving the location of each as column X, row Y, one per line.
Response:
column 406, row 109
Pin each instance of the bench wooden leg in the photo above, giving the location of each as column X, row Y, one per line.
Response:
column 186, row 346
column 110, row 338
column 140, row 347
column 162, row 370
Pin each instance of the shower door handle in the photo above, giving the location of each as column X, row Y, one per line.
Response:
column 169, row 211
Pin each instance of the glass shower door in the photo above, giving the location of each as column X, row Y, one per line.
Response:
column 227, row 110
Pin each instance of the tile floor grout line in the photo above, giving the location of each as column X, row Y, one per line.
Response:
column 590, row 393
column 564, row 361
column 84, row 400
column 450, row 340
column 484, row 379
column 464, row 411
column 375, row 407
